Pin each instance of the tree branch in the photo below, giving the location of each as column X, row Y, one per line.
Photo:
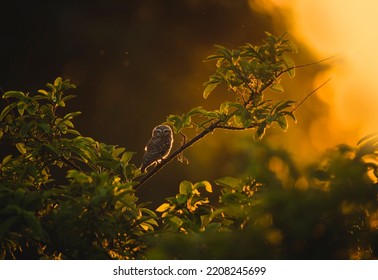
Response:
column 217, row 124
column 229, row 127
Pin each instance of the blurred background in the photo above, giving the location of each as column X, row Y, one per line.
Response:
column 137, row 61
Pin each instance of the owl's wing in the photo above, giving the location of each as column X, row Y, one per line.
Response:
column 148, row 146
column 148, row 157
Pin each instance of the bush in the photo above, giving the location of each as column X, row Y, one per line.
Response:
column 92, row 211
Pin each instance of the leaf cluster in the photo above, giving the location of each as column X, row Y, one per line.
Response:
column 328, row 212
column 93, row 213
column 247, row 72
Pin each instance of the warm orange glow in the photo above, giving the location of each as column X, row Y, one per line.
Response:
column 346, row 29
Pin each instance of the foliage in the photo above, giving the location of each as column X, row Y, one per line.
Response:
column 67, row 196
column 246, row 72
column 93, row 214
column 331, row 213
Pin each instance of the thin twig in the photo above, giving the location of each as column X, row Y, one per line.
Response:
column 268, row 84
column 308, row 95
column 180, row 157
column 295, row 67
column 311, row 63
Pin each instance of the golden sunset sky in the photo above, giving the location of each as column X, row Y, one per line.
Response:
column 347, row 29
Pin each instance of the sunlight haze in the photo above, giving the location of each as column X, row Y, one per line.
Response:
column 346, row 29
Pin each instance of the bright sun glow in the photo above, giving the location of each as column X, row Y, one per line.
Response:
column 346, row 29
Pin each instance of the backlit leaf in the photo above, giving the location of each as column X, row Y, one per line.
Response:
column 209, row 88
column 163, row 207
column 14, row 94
column 186, row 187
column 204, row 184
column 21, row 147
column 127, row 156
column 277, row 87
column 230, row 182
column 290, row 65
column 6, row 110
column 282, row 121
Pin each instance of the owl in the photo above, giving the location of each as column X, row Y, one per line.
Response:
column 158, row 147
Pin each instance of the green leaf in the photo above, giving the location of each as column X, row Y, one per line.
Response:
column 260, row 132
column 78, row 176
column 268, row 34
column 179, row 122
column 61, row 103
column 181, row 198
column 6, row 159
column 290, row 65
column 229, row 182
column 127, row 156
column 223, row 109
column 68, row 97
column 291, row 115
column 71, row 115
column 283, row 105
column 68, row 85
column 209, row 88
column 117, row 151
column 14, row 94
column 174, row 119
column 176, row 122
column 282, row 121
column 185, row 188
column 6, row 110
column 292, row 46
column 213, row 57
column 152, row 222
column 21, row 147
column 46, row 110
column 213, row 227
column 146, row 226
column 186, row 120
column 21, row 106
column 203, row 184
column 58, row 82
column 42, row 91
column 197, row 111
column 175, row 221
column 232, row 198
column 163, row 207
column 73, row 131
column 32, row 109
column 243, row 118
column 277, row 87
column 68, row 123
column 45, row 126
column 203, row 112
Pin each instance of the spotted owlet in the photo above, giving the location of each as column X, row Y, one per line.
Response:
column 158, row 147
